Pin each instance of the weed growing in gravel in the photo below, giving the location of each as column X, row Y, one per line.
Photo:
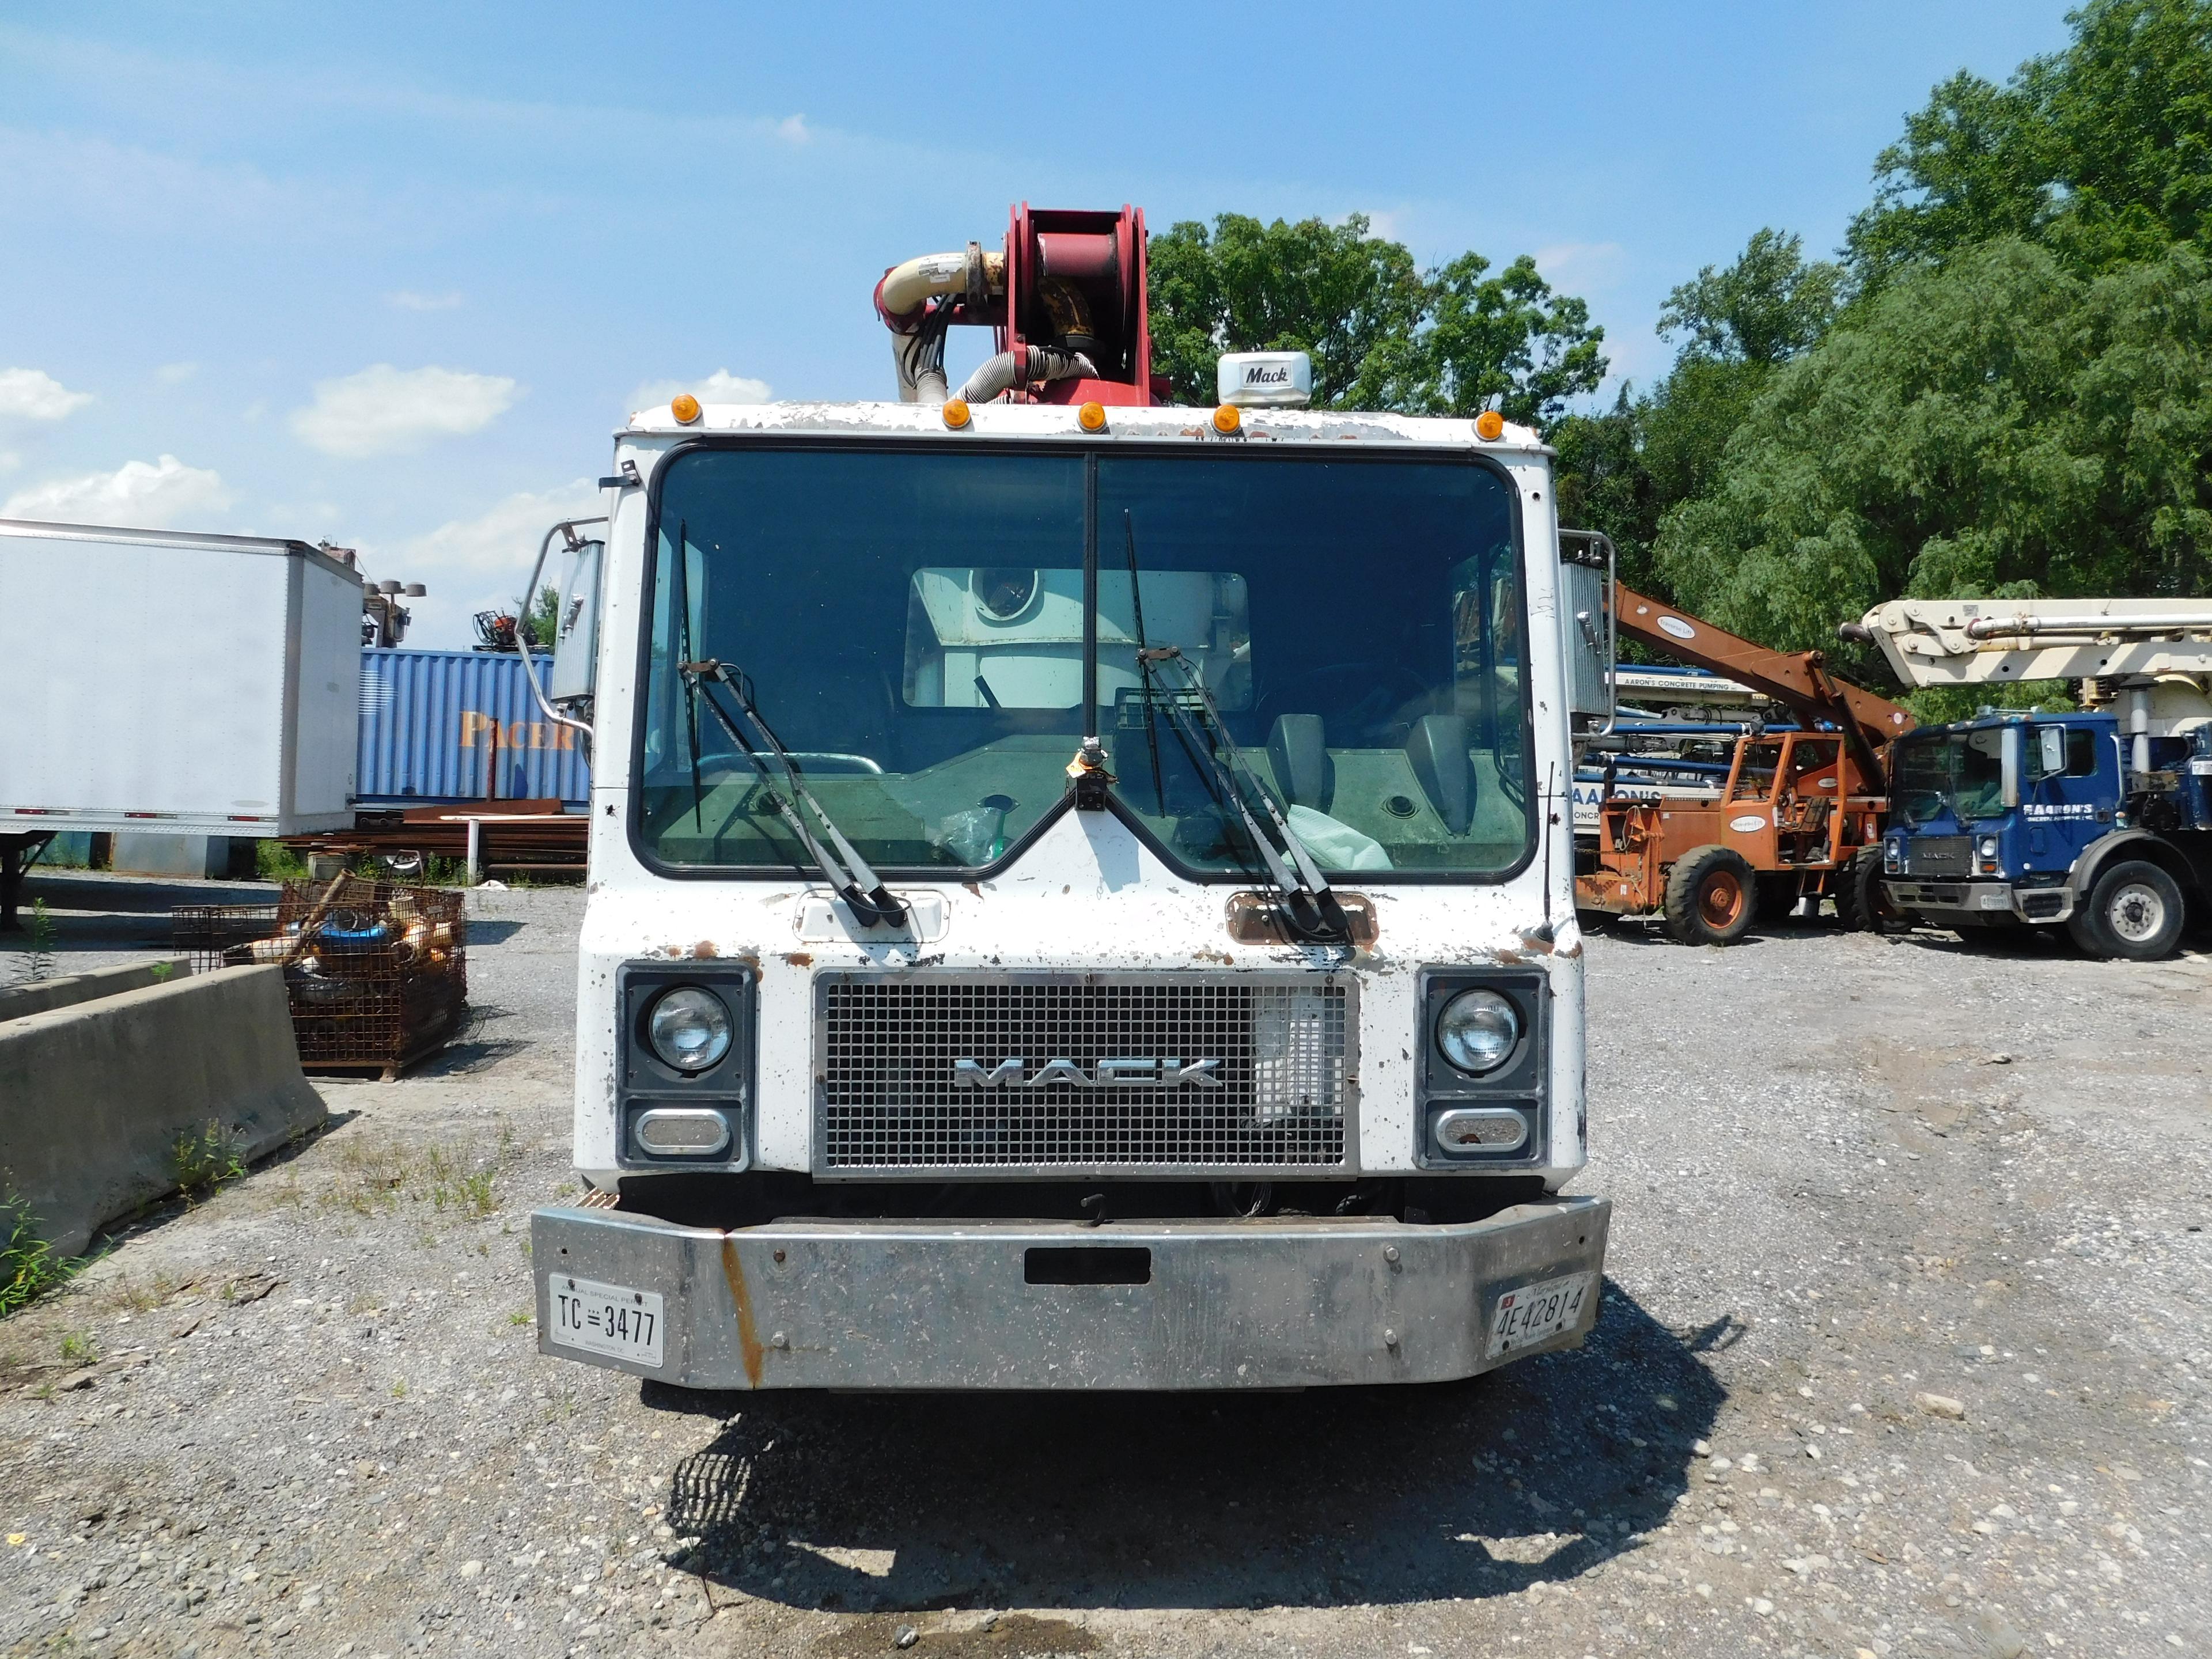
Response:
column 374, row 1176
column 399, row 1389
column 519, row 1316
column 79, row 1348
column 202, row 1160
column 37, row 960
column 143, row 1296
column 28, row 1267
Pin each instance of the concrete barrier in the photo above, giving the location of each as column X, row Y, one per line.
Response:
column 96, row 1097
column 37, row 996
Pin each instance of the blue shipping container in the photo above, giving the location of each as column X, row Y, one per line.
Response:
column 461, row 725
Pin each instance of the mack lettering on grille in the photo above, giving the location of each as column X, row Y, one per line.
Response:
column 1166, row 1073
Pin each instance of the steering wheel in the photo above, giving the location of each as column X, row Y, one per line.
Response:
column 1351, row 697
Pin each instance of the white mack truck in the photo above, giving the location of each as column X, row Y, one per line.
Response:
column 1082, row 892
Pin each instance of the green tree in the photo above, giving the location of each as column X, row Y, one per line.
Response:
column 1504, row 341
column 1768, row 305
column 539, row 624
column 2101, row 151
column 1622, row 471
column 1382, row 334
column 1331, row 291
column 1996, row 427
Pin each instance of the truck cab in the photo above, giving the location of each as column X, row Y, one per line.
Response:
column 2023, row 819
column 1074, row 1089
column 1081, row 890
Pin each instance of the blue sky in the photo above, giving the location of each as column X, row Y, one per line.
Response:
column 390, row 275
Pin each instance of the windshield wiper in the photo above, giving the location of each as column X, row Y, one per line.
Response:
column 1308, row 903
column 873, row 903
column 1137, row 610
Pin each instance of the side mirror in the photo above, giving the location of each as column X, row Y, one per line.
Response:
column 2047, row 759
column 1586, row 587
column 576, row 635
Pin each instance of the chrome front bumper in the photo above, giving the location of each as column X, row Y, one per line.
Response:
column 1936, row 898
column 1283, row 1302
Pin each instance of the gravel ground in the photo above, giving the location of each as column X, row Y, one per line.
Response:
column 1903, row 1353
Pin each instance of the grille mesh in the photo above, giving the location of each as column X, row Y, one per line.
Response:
column 1937, row 855
column 889, row 1100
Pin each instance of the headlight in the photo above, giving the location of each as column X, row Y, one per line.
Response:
column 1989, row 846
column 688, row 1028
column 1893, row 858
column 1477, row 1031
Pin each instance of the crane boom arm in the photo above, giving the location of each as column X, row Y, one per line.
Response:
column 1799, row 680
column 1995, row 642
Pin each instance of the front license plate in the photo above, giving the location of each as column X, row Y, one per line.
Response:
column 1537, row 1311
column 608, row 1319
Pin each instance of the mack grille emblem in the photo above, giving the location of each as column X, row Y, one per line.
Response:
column 1169, row 1072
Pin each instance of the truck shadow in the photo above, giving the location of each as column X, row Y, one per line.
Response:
column 876, row 1504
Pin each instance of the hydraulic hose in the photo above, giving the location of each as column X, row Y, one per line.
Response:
column 1023, row 366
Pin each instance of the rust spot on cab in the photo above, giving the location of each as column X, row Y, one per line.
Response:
column 798, row 958
column 704, row 950
column 749, row 1348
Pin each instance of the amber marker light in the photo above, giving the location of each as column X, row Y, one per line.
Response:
column 1092, row 417
column 684, row 407
column 1490, row 426
column 956, row 412
column 1226, row 420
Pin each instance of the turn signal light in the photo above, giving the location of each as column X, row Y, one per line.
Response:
column 684, row 407
column 956, row 412
column 1490, row 426
column 1092, row 417
column 1226, row 420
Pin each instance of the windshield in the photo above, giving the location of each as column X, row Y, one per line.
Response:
column 912, row 622
column 1958, row 772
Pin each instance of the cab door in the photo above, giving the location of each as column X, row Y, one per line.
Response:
column 2070, row 779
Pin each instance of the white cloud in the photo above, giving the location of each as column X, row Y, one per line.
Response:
column 158, row 495
column 720, row 387
column 478, row 563
column 408, row 299
column 503, row 538
column 1580, row 265
column 32, row 394
column 10, row 460
column 793, row 129
column 383, row 411
column 176, row 373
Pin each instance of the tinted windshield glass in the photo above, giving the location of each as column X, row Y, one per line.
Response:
column 1360, row 626
column 1958, row 772
column 912, row 624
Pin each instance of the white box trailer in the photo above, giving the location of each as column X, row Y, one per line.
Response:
column 160, row 682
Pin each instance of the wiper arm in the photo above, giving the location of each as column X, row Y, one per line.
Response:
column 1309, row 901
column 1145, row 678
column 873, row 903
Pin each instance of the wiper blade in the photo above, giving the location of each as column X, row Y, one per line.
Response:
column 873, row 903
column 1137, row 610
column 1309, row 901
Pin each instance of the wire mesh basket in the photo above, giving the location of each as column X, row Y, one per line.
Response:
column 376, row 972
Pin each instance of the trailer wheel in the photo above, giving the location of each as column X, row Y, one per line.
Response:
column 1862, row 902
column 2135, row 913
column 1711, row 896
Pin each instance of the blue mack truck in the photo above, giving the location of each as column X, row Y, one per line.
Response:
column 2097, row 818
